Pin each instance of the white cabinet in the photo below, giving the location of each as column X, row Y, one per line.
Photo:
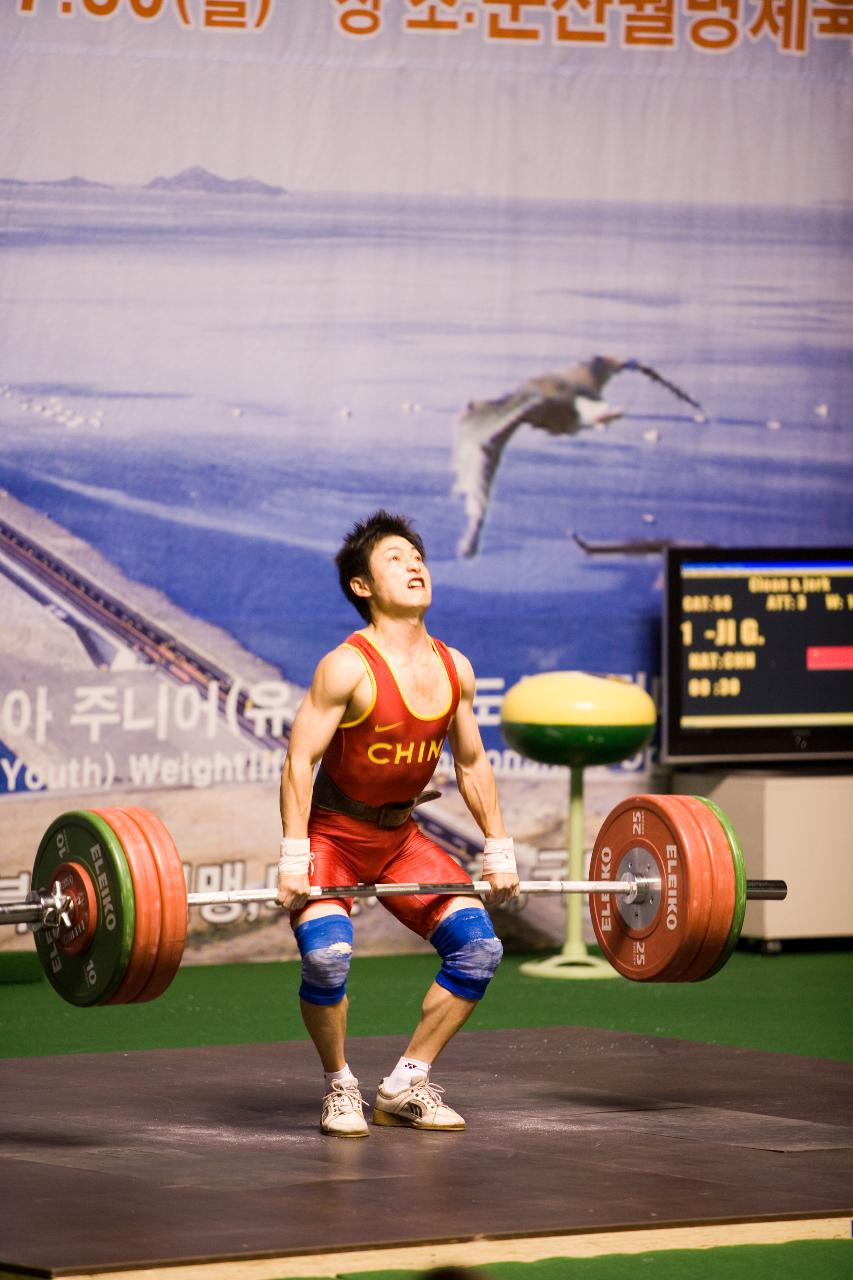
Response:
column 793, row 827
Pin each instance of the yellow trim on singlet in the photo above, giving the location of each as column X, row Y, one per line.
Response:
column 387, row 661
column 350, row 724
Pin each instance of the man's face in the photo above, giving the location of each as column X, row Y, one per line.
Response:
column 399, row 578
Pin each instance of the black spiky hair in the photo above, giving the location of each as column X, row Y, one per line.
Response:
column 353, row 559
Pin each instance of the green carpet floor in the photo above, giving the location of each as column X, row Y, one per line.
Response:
column 803, row 1260
column 797, row 1002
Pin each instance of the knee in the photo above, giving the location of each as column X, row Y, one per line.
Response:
column 325, row 944
column 470, row 952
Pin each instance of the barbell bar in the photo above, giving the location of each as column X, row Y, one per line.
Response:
column 634, row 889
column 109, row 905
column 45, row 910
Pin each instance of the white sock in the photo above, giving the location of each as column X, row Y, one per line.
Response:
column 407, row 1071
column 343, row 1074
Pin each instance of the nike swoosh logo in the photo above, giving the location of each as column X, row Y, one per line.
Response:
column 383, row 728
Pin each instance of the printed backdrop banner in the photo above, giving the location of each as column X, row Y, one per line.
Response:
column 269, row 265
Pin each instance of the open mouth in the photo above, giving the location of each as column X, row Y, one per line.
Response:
column 415, row 583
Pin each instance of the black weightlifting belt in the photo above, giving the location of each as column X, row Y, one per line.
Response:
column 327, row 795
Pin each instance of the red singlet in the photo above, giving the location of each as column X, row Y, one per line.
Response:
column 387, row 756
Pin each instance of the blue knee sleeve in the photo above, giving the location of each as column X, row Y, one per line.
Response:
column 325, row 944
column 470, row 952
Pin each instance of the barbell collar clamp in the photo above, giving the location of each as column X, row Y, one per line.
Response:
column 38, row 910
column 62, row 905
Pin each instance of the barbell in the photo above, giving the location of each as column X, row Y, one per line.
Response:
column 109, row 904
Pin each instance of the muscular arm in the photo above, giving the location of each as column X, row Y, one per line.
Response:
column 335, row 682
column 475, row 777
column 474, row 774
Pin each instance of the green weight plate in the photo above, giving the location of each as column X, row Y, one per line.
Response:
column 91, row 977
column 740, row 887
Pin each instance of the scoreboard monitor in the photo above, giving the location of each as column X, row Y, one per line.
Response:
column 757, row 654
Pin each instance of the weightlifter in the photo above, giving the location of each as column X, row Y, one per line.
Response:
column 376, row 715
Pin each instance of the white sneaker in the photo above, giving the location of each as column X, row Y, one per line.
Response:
column 343, row 1116
column 418, row 1107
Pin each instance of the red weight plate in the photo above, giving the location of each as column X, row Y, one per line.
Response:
column 146, row 892
column 675, row 923
column 689, row 819
column 724, row 890
column 173, row 893
column 75, row 882
column 697, row 858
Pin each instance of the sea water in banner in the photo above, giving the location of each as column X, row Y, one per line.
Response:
column 260, row 256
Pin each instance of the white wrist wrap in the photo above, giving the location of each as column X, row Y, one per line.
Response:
column 498, row 855
column 294, row 857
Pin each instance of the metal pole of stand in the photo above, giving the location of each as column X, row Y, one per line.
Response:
column 573, row 961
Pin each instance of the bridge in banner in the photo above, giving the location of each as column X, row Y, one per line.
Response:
column 108, row 626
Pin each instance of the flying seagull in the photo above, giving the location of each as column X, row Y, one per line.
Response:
column 560, row 403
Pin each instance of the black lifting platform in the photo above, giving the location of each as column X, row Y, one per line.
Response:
column 115, row 1161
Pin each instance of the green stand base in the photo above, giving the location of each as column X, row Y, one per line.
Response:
column 569, row 966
